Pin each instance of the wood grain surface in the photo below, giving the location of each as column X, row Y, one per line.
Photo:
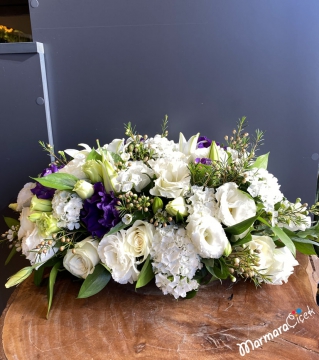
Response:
column 119, row 323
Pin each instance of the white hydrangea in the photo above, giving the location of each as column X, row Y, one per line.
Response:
column 136, row 176
column 202, row 201
column 264, row 185
column 66, row 208
column 175, row 261
column 161, row 145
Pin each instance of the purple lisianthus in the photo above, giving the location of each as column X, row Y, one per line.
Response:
column 203, row 142
column 43, row 192
column 99, row 212
column 203, row 161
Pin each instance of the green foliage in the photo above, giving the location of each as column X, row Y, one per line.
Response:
column 146, row 274
column 10, row 256
column 59, row 181
column 52, row 278
column 11, row 222
column 94, row 155
column 94, row 282
column 284, row 238
column 261, row 162
column 242, row 226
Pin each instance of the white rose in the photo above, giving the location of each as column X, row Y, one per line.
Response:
column 276, row 263
column 139, row 238
column 113, row 254
column 81, row 260
column 24, row 196
column 282, row 266
column 30, row 243
column 234, row 205
column 26, row 226
column 207, row 235
column 173, row 178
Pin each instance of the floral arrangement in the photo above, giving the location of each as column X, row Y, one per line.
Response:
column 144, row 207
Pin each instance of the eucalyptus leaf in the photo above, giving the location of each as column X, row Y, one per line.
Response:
column 52, row 278
column 59, row 181
column 261, row 162
column 242, row 226
column 11, row 222
column 146, row 274
column 94, row 282
column 10, row 256
column 284, row 238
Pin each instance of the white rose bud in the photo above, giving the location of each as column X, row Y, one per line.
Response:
column 82, row 260
column 177, row 205
column 84, row 189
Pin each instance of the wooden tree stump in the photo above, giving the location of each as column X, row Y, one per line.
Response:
column 119, row 323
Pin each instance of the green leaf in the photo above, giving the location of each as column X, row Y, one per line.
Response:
column 11, row 222
column 10, row 256
column 263, row 221
column 59, row 181
column 261, row 162
column 179, row 217
column 94, row 155
column 209, row 262
column 146, row 274
column 38, row 274
column 242, row 226
column 244, row 240
column 52, row 278
column 312, row 231
column 221, row 273
column 94, row 282
column 191, row 294
column 284, row 238
column 307, row 249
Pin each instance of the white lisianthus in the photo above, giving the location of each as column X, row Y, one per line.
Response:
column 24, row 197
column 112, row 251
column 277, row 263
column 264, row 185
column 207, row 235
column 82, row 259
column 26, row 226
column 234, row 205
column 173, row 178
column 139, row 238
column 136, row 176
column 29, row 244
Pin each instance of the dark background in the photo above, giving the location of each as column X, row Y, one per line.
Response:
column 205, row 63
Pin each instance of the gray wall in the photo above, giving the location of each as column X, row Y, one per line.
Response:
column 205, row 63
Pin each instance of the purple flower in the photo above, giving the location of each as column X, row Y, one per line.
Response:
column 203, row 142
column 203, row 161
column 43, row 192
column 99, row 212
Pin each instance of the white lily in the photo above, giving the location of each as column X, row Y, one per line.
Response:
column 187, row 147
